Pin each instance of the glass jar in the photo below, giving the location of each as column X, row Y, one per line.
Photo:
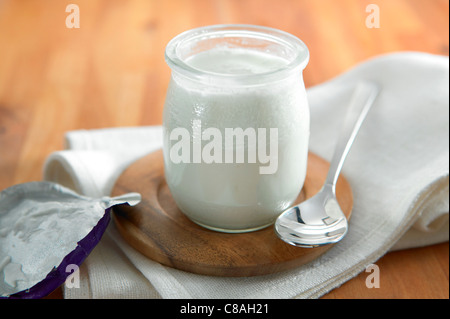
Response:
column 235, row 125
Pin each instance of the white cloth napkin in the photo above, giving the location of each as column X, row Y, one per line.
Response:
column 398, row 169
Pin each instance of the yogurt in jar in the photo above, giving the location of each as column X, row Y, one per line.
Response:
column 272, row 116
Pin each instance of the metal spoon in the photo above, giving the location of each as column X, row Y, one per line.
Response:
column 319, row 220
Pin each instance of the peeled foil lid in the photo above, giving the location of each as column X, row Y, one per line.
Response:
column 45, row 230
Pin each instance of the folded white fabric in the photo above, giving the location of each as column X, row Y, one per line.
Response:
column 398, row 169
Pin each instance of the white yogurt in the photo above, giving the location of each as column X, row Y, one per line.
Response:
column 235, row 61
column 236, row 197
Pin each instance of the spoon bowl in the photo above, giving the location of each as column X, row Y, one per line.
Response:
column 327, row 224
column 319, row 220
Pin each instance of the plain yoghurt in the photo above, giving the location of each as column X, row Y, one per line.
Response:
column 235, row 197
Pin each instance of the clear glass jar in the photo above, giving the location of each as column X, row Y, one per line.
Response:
column 235, row 125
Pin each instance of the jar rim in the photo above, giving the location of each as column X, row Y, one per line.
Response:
column 298, row 62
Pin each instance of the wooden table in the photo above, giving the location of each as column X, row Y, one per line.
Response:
column 111, row 72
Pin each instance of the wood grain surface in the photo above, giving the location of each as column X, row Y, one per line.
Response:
column 110, row 72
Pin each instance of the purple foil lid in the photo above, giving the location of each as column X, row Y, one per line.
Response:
column 21, row 206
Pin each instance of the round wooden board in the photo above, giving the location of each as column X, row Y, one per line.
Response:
column 159, row 230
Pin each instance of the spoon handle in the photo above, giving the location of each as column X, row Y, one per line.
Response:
column 362, row 100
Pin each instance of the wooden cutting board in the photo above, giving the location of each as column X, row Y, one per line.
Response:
column 159, row 230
